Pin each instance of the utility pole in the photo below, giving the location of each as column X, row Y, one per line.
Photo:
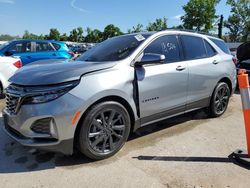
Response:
column 220, row 25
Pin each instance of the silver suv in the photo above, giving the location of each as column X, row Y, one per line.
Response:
column 120, row 85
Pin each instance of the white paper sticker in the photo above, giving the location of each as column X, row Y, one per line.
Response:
column 139, row 38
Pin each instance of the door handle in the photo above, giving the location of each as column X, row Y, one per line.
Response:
column 29, row 57
column 54, row 54
column 215, row 62
column 180, row 68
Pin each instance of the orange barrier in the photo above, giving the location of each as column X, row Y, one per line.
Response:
column 245, row 96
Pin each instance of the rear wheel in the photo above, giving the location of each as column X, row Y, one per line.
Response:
column 104, row 130
column 219, row 100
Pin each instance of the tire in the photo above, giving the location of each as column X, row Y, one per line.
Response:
column 104, row 130
column 220, row 99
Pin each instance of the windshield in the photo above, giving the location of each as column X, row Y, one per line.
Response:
column 114, row 49
column 2, row 46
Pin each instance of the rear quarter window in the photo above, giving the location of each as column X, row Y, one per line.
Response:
column 222, row 45
column 210, row 50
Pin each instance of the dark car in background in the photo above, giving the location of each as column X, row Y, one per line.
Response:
column 243, row 56
column 34, row 50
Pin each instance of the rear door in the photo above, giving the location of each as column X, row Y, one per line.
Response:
column 44, row 50
column 204, row 70
column 163, row 87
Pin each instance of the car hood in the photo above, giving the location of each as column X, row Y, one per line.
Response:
column 243, row 51
column 54, row 72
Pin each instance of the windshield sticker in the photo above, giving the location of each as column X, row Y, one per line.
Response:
column 139, row 38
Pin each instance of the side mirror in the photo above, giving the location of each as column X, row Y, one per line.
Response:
column 151, row 58
column 10, row 52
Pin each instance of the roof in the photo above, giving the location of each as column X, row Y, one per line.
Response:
column 35, row 40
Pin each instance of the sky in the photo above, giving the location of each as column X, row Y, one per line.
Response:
column 38, row 16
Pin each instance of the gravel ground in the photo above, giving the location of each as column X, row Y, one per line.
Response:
column 187, row 151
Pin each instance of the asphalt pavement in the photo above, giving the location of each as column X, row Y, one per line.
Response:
column 191, row 150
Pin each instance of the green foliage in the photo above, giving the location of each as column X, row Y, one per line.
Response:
column 239, row 22
column 158, row 25
column 28, row 35
column 93, row 36
column 64, row 37
column 54, row 34
column 8, row 37
column 136, row 29
column 199, row 14
column 76, row 35
column 111, row 31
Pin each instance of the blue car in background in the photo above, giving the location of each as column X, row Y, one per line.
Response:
column 34, row 50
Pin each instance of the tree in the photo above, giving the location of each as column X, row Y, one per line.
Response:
column 158, row 25
column 199, row 14
column 76, row 35
column 235, row 28
column 93, row 36
column 8, row 37
column 54, row 34
column 136, row 29
column 64, row 37
column 239, row 22
column 111, row 31
column 28, row 35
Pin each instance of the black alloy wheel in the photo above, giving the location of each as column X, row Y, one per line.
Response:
column 220, row 100
column 104, row 130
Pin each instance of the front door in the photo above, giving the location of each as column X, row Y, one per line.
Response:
column 163, row 87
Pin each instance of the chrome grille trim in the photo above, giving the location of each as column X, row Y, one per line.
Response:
column 14, row 97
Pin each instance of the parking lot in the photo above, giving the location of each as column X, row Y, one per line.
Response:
column 188, row 151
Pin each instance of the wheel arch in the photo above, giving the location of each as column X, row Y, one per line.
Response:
column 114, row 98
column 228, row 82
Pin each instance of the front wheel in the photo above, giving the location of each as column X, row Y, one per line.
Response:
column 104, row 130
column 220, row 99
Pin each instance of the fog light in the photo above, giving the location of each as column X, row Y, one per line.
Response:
column 45, row 126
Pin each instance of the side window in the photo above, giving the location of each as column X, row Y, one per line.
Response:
column 210, row 50
column 43, row 47
column 166, row 45
column 21, row 47
column 194, row 47
column 56, row 46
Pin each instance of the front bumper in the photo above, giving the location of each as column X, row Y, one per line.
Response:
column 61, row 111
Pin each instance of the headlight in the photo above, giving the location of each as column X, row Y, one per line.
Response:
column 44, row 94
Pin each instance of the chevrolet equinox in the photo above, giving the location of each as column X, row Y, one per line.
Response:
column 93, row 102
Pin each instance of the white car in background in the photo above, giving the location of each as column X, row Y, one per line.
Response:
column 8, row 67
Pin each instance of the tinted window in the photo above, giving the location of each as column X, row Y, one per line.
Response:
column 43, row 47
column 21, row 47
column 194, row 47
column 210, row 50
column 56, row 46
column 221, row 44
column 168, row 46
column 114, row 49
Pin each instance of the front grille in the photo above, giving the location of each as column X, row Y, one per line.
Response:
column 14, row 95
column 12, row 103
